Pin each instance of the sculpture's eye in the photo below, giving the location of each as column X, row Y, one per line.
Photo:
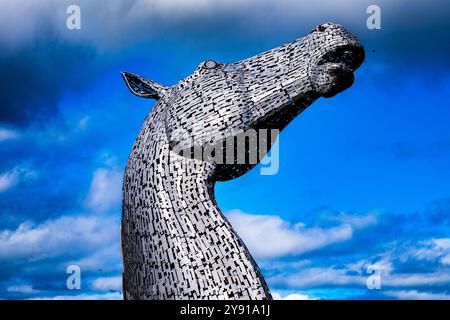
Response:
column 210, row 64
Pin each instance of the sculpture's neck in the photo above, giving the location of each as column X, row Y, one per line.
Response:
column 183, row 246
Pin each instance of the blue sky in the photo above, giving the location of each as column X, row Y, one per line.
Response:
column 363, row 177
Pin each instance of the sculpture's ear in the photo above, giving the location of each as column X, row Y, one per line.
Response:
column 143, row 87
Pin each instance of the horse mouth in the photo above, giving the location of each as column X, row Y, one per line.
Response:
column 350, row 56
column 333, row 72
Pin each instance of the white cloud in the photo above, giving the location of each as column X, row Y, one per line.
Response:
column 270, row 236
column 445, row 260
column 83, row 123
column 317, row 277
column 383, row 265
column 292, row 296
column 175, row 8
column 63, row 236
column 7, row 180
column 416, row 279
column 415, row 295
column 389, row 278
column 7, row 134
column 274, row 265
column 345, row 276
column 106, row 258
column 13, row 177
column 108, row 284
column 356, row 221
column 106, row 189
column 443, row 243
column 430, row 250
column 94, row 296
column 22, row 289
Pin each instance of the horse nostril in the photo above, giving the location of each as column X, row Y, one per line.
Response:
column 321, row 28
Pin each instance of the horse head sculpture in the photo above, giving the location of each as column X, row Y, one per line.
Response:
column 176, row 242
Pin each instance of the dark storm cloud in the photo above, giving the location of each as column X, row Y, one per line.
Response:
column 409, row 29
column 42, row 59
column 35, row 77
